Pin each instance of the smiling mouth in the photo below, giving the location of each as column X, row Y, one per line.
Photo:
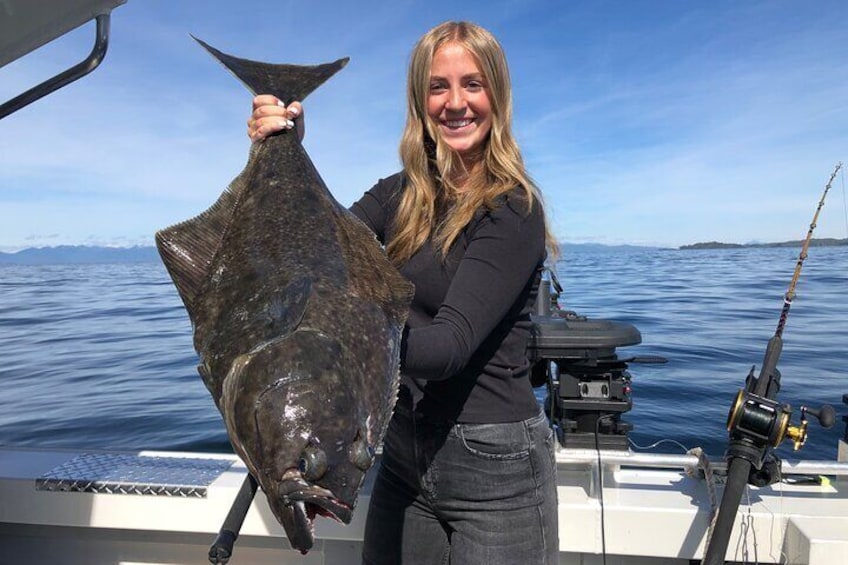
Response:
column 457, row 124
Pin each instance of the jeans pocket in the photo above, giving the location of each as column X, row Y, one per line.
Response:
column 508, row 441
column 542, row 434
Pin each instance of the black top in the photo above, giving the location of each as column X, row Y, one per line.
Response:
column 464, row 353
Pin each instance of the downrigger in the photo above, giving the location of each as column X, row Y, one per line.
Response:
column 588, row 384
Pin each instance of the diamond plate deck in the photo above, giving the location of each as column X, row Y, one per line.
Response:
column 134, row 474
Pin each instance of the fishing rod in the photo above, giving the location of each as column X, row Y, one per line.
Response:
column 757, row 422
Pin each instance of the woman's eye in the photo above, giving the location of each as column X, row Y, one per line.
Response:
column 474, row 85
column 436, row 87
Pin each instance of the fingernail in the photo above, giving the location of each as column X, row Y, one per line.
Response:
column 294, row 111
column 281, row 103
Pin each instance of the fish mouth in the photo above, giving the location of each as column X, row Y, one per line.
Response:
column 298, row 509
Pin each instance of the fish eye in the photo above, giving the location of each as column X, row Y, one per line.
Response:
column 312, row 463
column 361, row 454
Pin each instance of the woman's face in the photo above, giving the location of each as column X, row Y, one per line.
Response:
column 458, row 100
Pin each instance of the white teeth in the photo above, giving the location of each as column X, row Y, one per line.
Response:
column 457, row 123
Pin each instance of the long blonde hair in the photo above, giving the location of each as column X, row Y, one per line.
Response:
column 432, row 204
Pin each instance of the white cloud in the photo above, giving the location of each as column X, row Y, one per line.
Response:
column 665, row 128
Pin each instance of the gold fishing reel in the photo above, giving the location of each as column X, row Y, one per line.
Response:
column 766, row 422
column 763, row 420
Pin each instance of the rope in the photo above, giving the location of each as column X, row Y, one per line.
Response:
column 706, row 469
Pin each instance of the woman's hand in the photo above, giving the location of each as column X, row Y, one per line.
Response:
column 270, row 115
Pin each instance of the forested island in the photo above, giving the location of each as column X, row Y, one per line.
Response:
column 822, row 242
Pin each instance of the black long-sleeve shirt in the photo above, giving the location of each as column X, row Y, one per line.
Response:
column 464, row 354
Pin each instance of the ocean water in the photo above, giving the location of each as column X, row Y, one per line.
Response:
column 100, row 356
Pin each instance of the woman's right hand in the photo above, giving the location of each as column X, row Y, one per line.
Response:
column 271, row 115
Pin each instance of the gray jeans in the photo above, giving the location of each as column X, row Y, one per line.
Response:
column 463, row 494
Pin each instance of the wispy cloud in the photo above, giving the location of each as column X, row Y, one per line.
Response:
column 727, row 141
column 643, row 124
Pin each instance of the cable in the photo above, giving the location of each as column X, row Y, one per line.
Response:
column 601, row 486
column 748, row 527
column 660, row 442
column 782, row 558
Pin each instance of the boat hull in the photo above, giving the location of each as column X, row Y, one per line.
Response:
column 110, row 507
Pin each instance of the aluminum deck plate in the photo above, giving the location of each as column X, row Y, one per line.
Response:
column 134, row 474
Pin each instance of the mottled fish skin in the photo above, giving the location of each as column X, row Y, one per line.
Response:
column 297, row 317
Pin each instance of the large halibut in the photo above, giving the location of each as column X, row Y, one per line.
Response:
column 297, row 317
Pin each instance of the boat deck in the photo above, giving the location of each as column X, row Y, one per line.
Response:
column 166, row 507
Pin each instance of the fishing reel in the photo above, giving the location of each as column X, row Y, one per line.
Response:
column 757, row 424
column 767, row 421
column 588, row 385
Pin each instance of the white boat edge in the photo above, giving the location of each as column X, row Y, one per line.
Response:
column 655, row 509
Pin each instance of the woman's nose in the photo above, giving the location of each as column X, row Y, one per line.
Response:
column 455, row 100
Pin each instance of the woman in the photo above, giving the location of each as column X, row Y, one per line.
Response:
column 468, row 473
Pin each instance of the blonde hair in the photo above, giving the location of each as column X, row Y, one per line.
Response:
column 432, row 203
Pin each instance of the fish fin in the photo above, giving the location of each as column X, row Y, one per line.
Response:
column 286, row 310
column 286, row 82
column 187, row 248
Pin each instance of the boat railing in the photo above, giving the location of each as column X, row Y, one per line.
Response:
column 629, row 459
column 27, row 25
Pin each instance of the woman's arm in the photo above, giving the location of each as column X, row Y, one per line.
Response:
column 501, row 259
column 375, row 208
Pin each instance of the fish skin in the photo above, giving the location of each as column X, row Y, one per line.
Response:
column 297, row 317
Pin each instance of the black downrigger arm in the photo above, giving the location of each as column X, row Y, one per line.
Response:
column 757, row 422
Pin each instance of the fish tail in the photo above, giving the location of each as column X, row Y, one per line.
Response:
column 286, row 82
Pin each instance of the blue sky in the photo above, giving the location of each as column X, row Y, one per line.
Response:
column 644, row 122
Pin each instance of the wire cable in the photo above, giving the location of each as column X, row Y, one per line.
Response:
column 601, row 485
column 657, row 443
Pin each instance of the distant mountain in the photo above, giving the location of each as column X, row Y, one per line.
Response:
column 80, row 254
column 823, row 242
column 564, row 245
column 145, row 254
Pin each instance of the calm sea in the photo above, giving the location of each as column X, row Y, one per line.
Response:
column 100, row 356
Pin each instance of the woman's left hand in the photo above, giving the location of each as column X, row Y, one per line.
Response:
column 270, row 115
